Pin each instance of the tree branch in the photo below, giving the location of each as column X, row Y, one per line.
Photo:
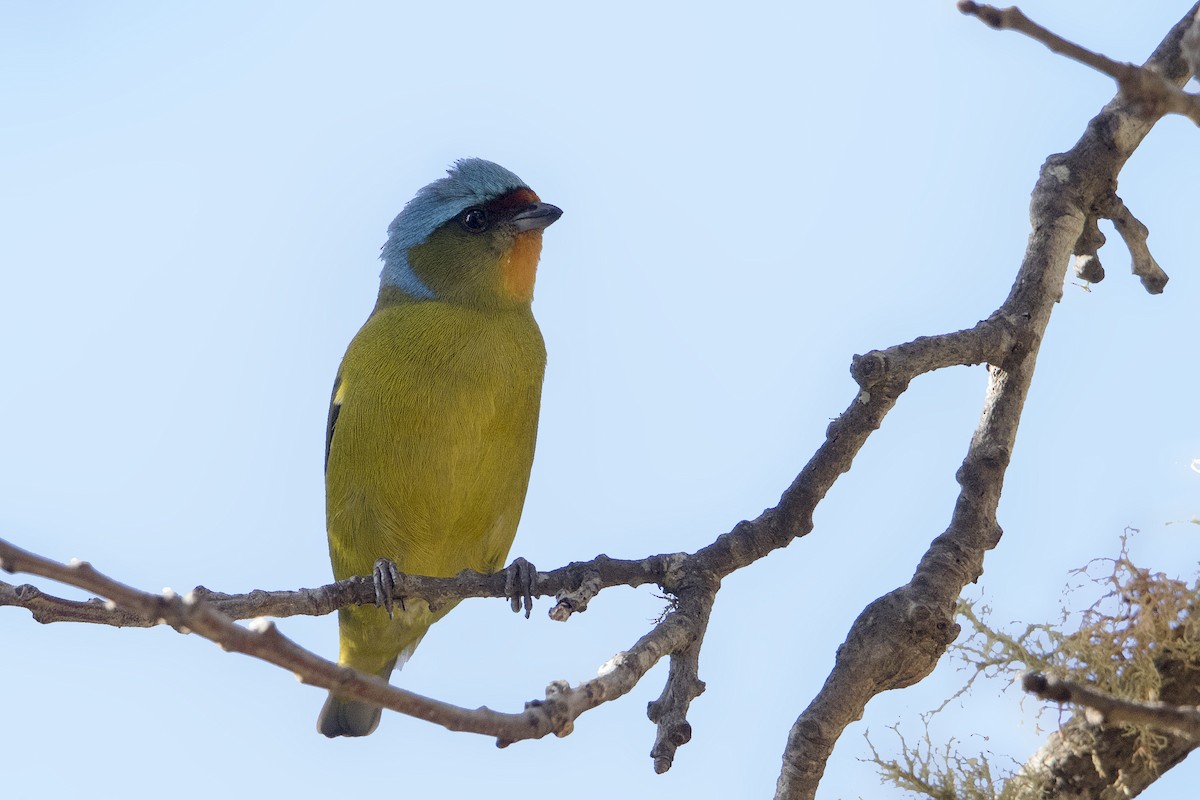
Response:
column 1105, row 708
column 1135, row 234
column 555, row 713
column 570, row 583
column 1144, row 90
column 898, row 639
column 1097, row 759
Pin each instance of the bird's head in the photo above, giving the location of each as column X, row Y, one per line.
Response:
column 471, row 238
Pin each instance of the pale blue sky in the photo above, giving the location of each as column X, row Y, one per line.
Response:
column 193, row 199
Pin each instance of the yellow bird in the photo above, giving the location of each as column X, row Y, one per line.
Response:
column 435, row 410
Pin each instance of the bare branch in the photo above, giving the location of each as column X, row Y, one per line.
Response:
column 1013, row 19
column 669, row 711
column 1105, row 708
column 601, row 572
column 1190, row 46
column 1144, row 90
column 555, row 713
column 1132, row 231
column 989, row 341
column 576, row 600
column 48, row 608
column 1135, row 233
column 1087, row 251
column 898, row 638
column 1138, row 640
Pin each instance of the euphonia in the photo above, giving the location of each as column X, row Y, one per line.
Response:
column 434, row 412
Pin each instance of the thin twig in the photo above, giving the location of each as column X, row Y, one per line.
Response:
column 600, row 572
column 1145, row 91
column 555, row 713
column 1103, row 708
column 1087, row 251
column 1135, row 233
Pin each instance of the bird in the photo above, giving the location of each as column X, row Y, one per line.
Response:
column 434, row 413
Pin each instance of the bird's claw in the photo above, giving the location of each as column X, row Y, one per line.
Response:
column 520, row 578
column 386, row 576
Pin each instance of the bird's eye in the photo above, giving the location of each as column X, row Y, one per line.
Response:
column 474, row 220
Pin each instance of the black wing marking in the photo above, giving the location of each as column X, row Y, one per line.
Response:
column 335, row 408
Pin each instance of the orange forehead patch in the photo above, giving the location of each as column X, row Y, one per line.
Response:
column 513, row 200
column 519, row 267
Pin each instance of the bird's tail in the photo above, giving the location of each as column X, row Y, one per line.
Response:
column 345, row 716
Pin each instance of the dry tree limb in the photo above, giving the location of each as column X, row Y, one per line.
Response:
column 669, row 711
column 1143, row 89
column 1105, row 708
column 601, row 572
column 1098, row 759
column 1132, row 231
column 898, row 639
column 1135, row 233
column 1190, row 45
column 1087, row 251
column 556, row 713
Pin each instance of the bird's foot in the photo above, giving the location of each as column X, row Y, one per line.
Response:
column 386, row 576
column 520, row 579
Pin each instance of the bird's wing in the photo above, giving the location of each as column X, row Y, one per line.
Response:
column 335, row 407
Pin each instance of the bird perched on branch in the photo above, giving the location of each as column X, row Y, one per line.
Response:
column 434, row 412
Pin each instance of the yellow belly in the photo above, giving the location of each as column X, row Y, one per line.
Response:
column 429, row 459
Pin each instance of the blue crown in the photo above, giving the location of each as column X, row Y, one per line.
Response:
column 470, row 182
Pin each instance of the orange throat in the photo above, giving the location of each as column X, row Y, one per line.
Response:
column 519, row 268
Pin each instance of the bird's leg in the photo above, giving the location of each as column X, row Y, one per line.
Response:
column 520, row 579
column 386, row 576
